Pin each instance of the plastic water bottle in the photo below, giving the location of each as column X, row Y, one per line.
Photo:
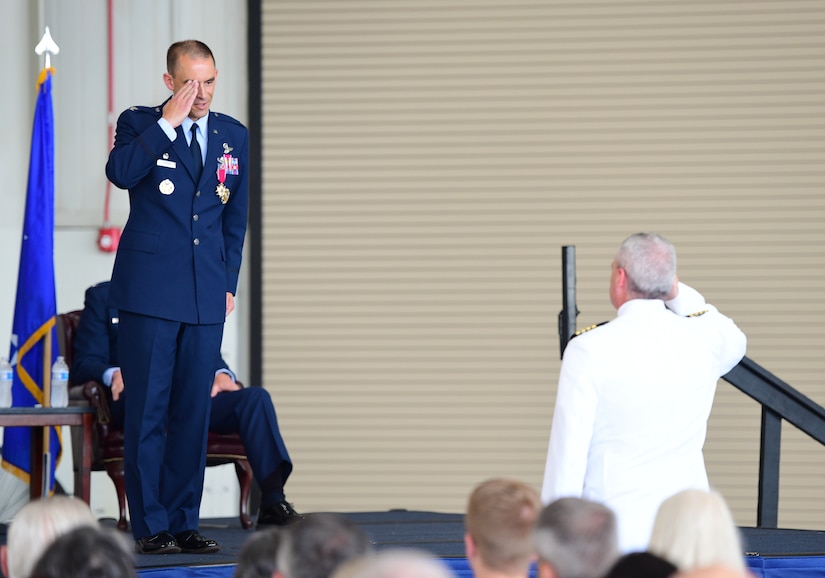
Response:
column 60, row 383
column 6, row 379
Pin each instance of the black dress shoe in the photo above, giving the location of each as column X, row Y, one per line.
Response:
column 193, row 543
column 160, row 543
column 280, row 514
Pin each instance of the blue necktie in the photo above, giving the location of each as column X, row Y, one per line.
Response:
column 195, row 148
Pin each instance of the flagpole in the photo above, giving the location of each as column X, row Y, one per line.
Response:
column 47, row 396
column 47, row 46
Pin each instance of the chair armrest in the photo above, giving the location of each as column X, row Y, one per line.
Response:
column 94, row 392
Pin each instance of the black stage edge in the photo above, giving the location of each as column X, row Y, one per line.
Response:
column 778, row 542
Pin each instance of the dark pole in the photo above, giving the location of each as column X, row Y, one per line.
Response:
column 569, row 311
column 254, row 233
column 254, row 237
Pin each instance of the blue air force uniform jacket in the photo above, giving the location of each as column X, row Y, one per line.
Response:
column 180, row 251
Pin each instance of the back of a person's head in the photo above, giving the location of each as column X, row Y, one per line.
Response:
column 641, row 565
column 500, row 520
column 695, row 529
column 87, row 553
column 650, row 263
column 36, row 526
column 315, row 546
column 577, row 538
column 395, row 563
column 259, row 553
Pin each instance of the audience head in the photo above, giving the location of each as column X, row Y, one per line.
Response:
column 695, row 529
column 36, row 526
column 87, row 553
column 500, row 522
column 395, row 563
column 641, row 565
column 258, row 556
column 576, row 538
column 315, row 546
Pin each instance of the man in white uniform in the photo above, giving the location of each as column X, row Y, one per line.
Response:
column 635, row 394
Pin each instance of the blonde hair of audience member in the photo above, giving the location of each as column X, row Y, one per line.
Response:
column 36, row 526
column 500, row 521
column 715, row 571
column 395, row 563
column 695, row 529
column 576, row 538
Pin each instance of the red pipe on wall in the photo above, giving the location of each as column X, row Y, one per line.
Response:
column 109, row 236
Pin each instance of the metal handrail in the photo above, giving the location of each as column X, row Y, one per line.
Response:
column 779, row 401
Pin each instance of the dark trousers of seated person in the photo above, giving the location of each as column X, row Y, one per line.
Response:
column 249, row 413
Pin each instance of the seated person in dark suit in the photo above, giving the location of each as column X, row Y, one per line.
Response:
column 246, row 411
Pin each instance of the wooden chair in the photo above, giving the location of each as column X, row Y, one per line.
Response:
column 108, row 443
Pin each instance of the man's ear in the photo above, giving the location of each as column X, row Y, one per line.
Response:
column 470, row 546
column 167, row 80
column 622, row 274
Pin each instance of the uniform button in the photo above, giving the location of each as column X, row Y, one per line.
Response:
column 197, row 241
column 195, row 217
column 198, row 194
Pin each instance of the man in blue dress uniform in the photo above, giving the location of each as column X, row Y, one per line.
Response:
column 173, row 284
column 246, row 411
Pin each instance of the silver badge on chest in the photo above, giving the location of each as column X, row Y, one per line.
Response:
column 166, row 187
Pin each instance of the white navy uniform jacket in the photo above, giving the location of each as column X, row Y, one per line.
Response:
column 633, row 402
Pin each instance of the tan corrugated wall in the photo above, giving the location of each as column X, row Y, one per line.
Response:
column 424, row 162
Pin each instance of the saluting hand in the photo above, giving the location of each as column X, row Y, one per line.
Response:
column 178, row 107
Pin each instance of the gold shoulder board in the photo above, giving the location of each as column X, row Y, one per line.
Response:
column 586, row 329
column 698, row 313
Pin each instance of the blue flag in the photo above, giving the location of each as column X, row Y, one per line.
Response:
column 35, row 307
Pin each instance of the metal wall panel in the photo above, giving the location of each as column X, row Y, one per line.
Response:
column 425, row 161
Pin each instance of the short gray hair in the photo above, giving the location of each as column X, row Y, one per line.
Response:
column 578, row 538
column 650, row 263
column 317, row 545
